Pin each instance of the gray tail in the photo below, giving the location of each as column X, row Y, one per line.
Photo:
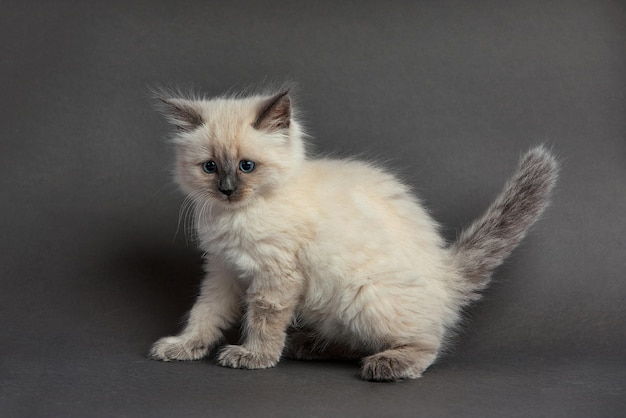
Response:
column 485, row 244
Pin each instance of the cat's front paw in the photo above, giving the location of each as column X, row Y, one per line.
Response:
column 178, row 348
column 239, row 357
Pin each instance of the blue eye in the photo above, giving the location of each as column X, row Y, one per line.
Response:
column 209, row 167
column 246, row 166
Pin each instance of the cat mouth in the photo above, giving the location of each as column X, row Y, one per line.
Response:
column 232, row 199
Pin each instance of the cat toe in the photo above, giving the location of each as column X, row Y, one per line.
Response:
column 239, row 357
column 178, row 348
column 404, row 362
column 381, row 369
column 389, row 368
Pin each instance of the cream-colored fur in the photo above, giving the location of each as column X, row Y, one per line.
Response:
column 337, row 250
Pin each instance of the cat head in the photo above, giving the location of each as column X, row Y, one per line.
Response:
column 232, row 150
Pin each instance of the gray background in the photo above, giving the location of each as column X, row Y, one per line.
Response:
column 447, row 93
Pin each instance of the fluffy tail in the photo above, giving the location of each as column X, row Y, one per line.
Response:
column 485, row 244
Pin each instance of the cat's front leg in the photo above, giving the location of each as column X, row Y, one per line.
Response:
column 270, row 309
column 216, row 308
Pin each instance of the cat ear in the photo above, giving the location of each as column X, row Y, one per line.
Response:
column 185, row 114
column 274, row 113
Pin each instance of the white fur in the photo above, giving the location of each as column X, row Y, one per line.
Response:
column 339, row 247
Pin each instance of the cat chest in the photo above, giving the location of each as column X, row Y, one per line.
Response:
column 249, row 252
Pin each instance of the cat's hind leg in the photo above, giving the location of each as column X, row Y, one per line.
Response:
column 403, row 362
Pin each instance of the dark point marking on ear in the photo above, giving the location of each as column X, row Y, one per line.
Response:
column 184, row 114
column 275, row 113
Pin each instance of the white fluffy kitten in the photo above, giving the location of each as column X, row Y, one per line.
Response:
column 321, row 257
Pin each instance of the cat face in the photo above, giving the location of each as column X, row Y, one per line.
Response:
column 231, row 151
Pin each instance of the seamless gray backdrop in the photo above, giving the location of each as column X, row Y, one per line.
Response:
column 93, row 267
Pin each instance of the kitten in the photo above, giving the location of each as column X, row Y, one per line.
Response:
column 325, row 258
